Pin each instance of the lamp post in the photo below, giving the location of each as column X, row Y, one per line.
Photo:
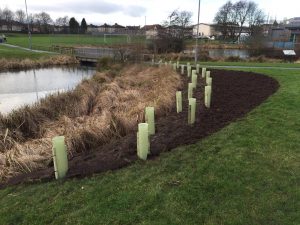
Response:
column 29, row 33
column 196, row 50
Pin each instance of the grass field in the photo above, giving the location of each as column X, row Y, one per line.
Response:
column 14, row 53
column 247, row 173
column 43, row 41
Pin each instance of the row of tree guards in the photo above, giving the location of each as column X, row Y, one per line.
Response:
column 146, row 129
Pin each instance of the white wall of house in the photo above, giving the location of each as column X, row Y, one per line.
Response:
column 205, row 30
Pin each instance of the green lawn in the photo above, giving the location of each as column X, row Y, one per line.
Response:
column 248, row 173
column 14, row 53
column 43, row 41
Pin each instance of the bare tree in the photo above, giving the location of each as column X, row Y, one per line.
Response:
column 20, row 16
column 43, row 21
column 232, row 18
column 226, row 19
column 8, row 16
column 62, row 22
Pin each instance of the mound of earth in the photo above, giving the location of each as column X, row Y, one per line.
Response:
column 234, row 94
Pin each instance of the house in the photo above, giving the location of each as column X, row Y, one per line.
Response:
column 285, row 35
column 132, row 30
column 11, row 26
column 205, row 30
column 152, row 31
column 178, row 31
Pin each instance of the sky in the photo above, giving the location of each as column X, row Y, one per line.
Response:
column 137, row 12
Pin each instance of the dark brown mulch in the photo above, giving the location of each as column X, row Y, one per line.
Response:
column 235, row 93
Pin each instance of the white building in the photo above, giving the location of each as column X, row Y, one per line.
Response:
column 205, row 30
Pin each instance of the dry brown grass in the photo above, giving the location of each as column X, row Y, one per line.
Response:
column 98, row 110
column 13, row 64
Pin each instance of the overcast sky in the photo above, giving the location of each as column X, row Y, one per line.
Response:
column 133, row 12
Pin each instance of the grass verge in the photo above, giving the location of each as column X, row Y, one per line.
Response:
column 248, row 173
column 15, row 53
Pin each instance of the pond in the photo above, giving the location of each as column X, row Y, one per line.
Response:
column 27, row 87
column 224, row 53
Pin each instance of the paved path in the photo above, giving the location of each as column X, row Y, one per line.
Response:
column 27, row 49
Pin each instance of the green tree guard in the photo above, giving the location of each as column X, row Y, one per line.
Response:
column 166, row 64
column 188, row 64
column 150, row 119
column 177, row 64
column 60, row 157
column 190, row 90
column 194, row 80
column 143, row 144
column 182, row 69
column 174, row 66
column 207, row 96
column 209, row 81
column 194, row 72
column 192, row 111
column 207, row 75
column 179, row 101
column 189, row 70
column 198, row 68
column 203, row 72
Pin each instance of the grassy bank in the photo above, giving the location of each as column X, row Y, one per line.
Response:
column 15, row 53
column 47, row 40
column 29, row 63
column 247, row 173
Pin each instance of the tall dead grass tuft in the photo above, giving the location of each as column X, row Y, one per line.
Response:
column 95, row 112
column 14, row 64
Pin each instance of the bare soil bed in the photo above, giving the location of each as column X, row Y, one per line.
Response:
column 234, row 94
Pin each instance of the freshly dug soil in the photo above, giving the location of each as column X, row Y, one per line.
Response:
column 234, row 94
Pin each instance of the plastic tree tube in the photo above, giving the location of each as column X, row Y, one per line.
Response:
column 179, row 101
column 190, row 90
column 150, row 119
column 203, row 72
column 60, row 157
column 189, row 70
column 143, row 146
column 198, row 68
column 182, row 69
column 209, row 81
column 174, row 66
column 207, row 96
column 192, row 111
column 194, row 80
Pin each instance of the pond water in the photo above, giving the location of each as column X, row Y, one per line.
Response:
column 223, row 53
column 27, row 87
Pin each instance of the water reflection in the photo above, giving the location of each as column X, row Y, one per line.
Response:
column 26, row 87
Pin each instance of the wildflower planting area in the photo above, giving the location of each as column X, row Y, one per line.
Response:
column 246, row 173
